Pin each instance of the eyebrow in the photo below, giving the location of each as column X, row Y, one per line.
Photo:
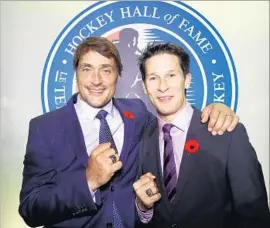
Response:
column 155, row 74
column 106, row 65
column 85, row 65
column 90, row 65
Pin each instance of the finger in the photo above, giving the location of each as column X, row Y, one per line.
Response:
column 213, row 119
column 113, row 158
column 141, row 184
column 108, row 152
column 155, row 198
column 147, row 192
column 105, row 157
column 234, row 123
column 116, row 166
column 149, row 201
column 100, row 148
column 144, row 187
column 226, row 124
column 219, row 123
column 206, row 113
column 148, row 175
column 154, row 190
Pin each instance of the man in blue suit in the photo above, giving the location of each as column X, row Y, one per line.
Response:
column 193, row 180
column 81, row 160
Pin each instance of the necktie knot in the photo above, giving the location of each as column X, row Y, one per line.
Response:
column 166, row 130
column 101, row 115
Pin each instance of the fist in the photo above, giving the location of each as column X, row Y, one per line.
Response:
column 102, row 165
column 146, row 191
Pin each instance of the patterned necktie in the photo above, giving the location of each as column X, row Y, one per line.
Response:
column 106, row 136
column 169, row 168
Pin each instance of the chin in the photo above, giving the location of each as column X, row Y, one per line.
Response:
column 97, row 105
column 166, row 112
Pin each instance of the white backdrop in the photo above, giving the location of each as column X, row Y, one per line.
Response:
column 28, row 30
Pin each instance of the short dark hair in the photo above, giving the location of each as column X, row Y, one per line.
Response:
column 102, row 46
column 155, row 48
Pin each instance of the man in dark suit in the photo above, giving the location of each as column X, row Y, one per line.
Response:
column 188, row 177
column 81, row 160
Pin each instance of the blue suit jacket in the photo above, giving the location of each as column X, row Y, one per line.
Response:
column 55, row 191
column 219, row 186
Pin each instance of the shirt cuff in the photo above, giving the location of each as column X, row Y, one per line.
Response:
column 145, row 217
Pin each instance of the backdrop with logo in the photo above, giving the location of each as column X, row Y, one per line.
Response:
column 229, row 64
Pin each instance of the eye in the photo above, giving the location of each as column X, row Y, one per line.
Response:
column 106, row 71
column 152, row 78
column 172, row 75
column 86, row 69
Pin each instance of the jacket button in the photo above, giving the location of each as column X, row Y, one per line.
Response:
column 109, row 225
column 112, row 188
column 174, row 226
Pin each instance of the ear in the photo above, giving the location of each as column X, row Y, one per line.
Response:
column 144, row 88
column 187, row 80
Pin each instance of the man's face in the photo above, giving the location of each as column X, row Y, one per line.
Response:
column 96, row 79
column 165, row 85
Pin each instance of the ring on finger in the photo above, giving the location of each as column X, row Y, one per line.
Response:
column 113, row 158
column 149, row 192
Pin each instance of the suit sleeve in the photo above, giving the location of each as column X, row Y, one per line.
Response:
column 246, row 179
column 49, row 196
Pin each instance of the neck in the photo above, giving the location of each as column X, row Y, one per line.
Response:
column 170, row 117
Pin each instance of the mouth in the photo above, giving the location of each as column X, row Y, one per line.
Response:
column 164, row 98
column 96, row 92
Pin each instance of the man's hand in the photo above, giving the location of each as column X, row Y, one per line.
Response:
column 222, row 118
column 101, row 167
column 146, row 191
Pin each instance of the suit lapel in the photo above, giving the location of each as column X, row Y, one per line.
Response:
column 129, row 125
column 153, row 146
column 187, row 163
column 74, row 131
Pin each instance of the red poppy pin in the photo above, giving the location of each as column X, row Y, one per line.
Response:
column 192, row 146
column 129, row 115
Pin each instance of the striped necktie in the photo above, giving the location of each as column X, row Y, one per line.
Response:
column 169, row 168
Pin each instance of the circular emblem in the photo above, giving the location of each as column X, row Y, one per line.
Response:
column 130, row 26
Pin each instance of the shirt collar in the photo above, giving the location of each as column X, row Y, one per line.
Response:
column 90, row 112
column 181, row 121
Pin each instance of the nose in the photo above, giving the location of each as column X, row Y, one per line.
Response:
column 163, row 86
column 96, row 78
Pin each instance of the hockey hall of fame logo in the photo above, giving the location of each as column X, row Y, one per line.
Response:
column 130, row 25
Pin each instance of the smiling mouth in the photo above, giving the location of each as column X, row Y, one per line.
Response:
column 165, row 98
column 96, row 91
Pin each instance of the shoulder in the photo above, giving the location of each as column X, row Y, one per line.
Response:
column 136, row 106
column 130, row 102
column 49, row 119
column 239, row 135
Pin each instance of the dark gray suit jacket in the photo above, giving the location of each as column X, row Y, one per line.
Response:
column 219, row 186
